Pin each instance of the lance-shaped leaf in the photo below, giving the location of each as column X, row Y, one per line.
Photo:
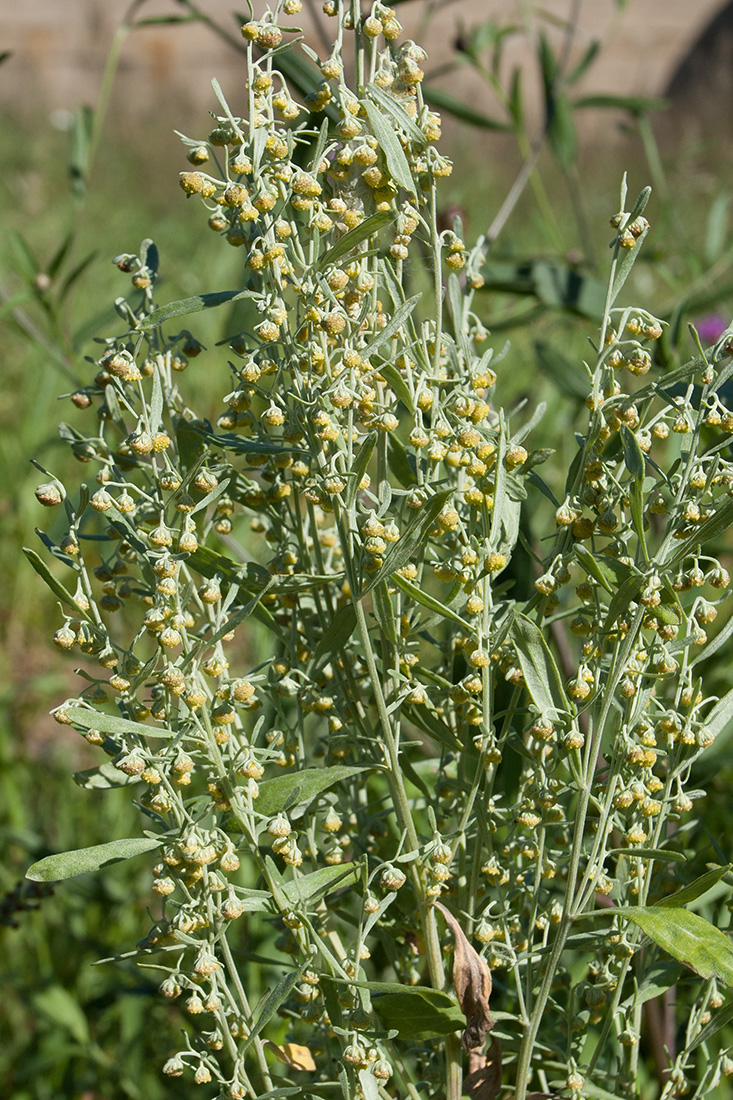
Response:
column 540, row 672
column 472, row 983
column 83, row 860
column 687, row 937
column 195, row 304
column 301, row 787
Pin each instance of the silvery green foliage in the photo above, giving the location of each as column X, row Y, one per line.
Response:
column 410, row 733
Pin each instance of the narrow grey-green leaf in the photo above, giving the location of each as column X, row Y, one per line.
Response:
column 356, row 236
column 687, row 937
column 55, row 585
column 662, row 855
column 627, row 256
column 720, row 715
column 105, row 777
column 422, row 597
column 395, row 323
column 110, row 723
column 398, row 384
column 361, row 462
column 695, row 889
column 156, row 403
column 392, row 107
column 312, row 887
column 400, row 552
column 272, row 1002
column 185, row 306
column 384, row 612
column 436, row 97
column 82, row 861
column 609, row 572
column 389, row 143
column 624, row 596
column 540, row 672
column 305, row 785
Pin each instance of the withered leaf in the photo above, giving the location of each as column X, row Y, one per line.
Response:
column 483, row 1080
column 472, row 983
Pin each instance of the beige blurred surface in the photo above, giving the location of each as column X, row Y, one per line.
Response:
column 59, row 47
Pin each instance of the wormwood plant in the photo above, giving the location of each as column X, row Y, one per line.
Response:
column 418, row 762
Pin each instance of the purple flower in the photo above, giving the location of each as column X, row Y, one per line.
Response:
column 711, row 328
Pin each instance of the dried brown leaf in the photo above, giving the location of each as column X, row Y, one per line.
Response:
column 472, row 983
column 483, row 1080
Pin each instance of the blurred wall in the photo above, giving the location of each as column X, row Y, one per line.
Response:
column 58, row 49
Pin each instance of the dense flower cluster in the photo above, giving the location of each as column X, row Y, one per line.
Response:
column 360, row 499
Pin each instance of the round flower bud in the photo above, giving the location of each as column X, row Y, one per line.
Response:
column 392, row 879
column 50, row 493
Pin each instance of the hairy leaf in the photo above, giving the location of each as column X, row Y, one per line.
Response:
column 82, row 861
column 687, row 937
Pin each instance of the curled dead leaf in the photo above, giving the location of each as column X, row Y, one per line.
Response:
column 483, row 1080
column 291, row 1054
column 472, row 983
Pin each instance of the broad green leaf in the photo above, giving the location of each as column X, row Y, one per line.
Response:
column 82, row 861
column 687, row 937
column 61, row 1006
column 661, row 977
column 55, row 585
column 337, row 635
column 401, row 465
column 413, row 538
column 194, row 304
column 299, row 788
column 312, row 887
column 541, row 674
column 422, row 597
column 361, row 462
column 191, row 444
column 384, row 131
column 416, row 1012
column 695, row 889
column 110, row 723
column 356, row 236
column 461, row 110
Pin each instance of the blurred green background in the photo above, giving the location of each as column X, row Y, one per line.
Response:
column 76, row 196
